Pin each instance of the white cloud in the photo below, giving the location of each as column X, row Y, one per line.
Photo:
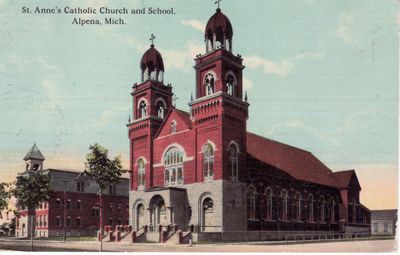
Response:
column 343, row 31
column 299, row 124
column 290, row 124
column 50, row 88
column 182, row 59
column 247, row 84
column 194, row 24
column 352, row 119
column 283, row 67
column 269, row 67
column 107, row 115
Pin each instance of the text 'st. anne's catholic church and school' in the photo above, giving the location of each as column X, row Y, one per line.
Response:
column 202, row 175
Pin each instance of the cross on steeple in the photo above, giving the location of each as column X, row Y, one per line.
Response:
column 152, row 37
column 217, row 2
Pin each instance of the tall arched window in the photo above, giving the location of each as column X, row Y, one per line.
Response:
column 332, row 205
column 268, row 196
column 233, row 160
column 354, row 211
column 142, row 109
column 173, row 163
column 230, row 84
column 310, row 201
column 284, row 204
column 251, row 203
column 322, row 209
column 208, row 162
column 210, row 84
column 297, row 200
column 141, row 173
column 160, row 110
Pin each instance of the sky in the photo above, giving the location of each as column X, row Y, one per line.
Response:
column 320, row 75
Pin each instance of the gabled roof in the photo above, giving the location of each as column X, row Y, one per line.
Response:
column 180, row 116
column 298, row 163
column 344, row 178
column 34, row 153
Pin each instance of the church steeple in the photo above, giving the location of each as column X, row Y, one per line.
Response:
column 219, row 32
column 218, row 106
column 152, row 64
column 34, row 159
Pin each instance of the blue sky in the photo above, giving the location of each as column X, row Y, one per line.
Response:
column 320, row 75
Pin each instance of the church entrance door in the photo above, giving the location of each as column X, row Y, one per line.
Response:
column 157, row 212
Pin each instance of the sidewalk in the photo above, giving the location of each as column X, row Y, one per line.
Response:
column 347, row 246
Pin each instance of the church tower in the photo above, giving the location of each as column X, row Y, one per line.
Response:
column 219, row 110
column 34, row 159
column 151, row 101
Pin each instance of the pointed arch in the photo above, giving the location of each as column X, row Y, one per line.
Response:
column 268, row 203
column 284, row 197
column 251, row 202
column 233, row 151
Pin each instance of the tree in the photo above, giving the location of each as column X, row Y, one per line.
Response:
column 32, row 188
column 4, row 196
column 104, row 172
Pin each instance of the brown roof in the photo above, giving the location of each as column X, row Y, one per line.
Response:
column 298, row 163
column 343, row 178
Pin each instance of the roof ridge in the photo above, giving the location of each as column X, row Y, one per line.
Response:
column 285, row 144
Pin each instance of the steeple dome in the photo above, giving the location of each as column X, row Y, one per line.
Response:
column 218, row 32
column 152, row 65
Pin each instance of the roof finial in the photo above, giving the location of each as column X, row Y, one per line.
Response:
column 174, row 98
column 152, row 37
column 191, row 96
column 129, row 118
column 245, row 96
column 217, row 2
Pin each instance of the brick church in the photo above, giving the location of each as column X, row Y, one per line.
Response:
column 202, row 171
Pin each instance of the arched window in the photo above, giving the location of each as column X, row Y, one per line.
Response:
column 268, row 196
column 142, row 109
column 233, row 160
column 251, row 203
column 332, row 205
column 141, row 173
column 230, row 84
column 208, row 161
column 322, row 209
column 173, row 163
column 284, row 204
column 310, row 201
column 160, row 110
column 297, row 201
column 210, row 84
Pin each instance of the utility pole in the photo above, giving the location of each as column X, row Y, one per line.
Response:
column 101, row 219
column 65, row 211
